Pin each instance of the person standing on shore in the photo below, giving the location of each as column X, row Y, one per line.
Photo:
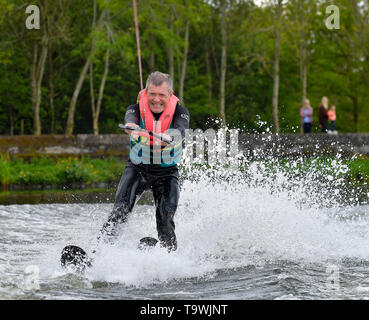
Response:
column 306, row 114
column 322, row 114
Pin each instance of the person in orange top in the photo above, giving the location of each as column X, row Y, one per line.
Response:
column 332, row 118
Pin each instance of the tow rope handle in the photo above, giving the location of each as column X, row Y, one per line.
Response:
column 144, row 133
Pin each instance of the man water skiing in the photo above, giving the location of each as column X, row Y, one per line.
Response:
column 152, row 163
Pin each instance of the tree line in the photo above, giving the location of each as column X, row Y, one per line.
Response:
column 248, row 64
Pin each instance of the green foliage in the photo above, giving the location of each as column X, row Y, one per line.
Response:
column 61, row 172
column 337, row 61
column 359, row 170
column 72, row 172
column 4, row 171
column 64, row 172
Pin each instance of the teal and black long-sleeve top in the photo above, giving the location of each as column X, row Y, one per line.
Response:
column 180, row 122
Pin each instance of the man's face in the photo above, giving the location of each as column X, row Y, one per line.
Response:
column 158, row 97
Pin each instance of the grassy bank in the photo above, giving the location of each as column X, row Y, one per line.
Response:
column 73, row 172
column 59, row 173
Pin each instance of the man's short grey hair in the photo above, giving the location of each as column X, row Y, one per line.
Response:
column 157, row 78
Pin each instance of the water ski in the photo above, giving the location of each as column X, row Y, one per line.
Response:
column 75, row 257
column 147, row 243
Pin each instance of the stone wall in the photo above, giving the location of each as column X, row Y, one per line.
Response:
column 253, row 145
column 316, row 144
column 63, row 146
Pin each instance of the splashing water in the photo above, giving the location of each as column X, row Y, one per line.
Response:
column 252, row 223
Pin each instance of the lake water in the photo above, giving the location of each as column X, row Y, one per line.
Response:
column 250, row 235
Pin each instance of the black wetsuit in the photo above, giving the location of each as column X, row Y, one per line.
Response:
column 163, row 181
